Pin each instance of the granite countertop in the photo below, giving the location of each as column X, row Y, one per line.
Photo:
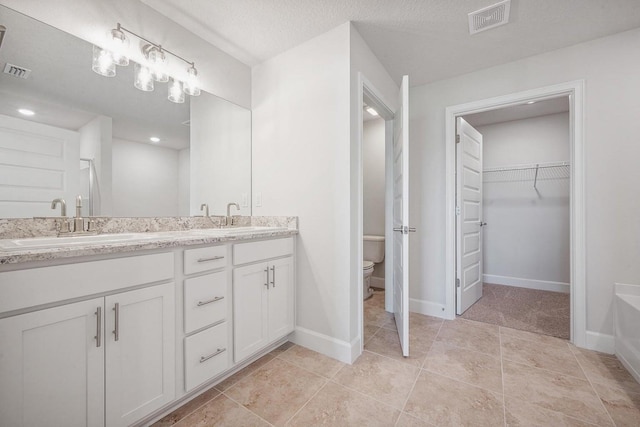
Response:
column 147, row 241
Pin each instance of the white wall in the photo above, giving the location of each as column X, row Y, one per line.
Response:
column 610, row 67
column 90, row 20
column 183, row 181
column 305, row 121
column 145, row 180
column 527, row 232
column 373, row 153
column 96, row 144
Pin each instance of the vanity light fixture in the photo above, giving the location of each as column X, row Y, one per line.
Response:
column 154, row 68
column 26, row 112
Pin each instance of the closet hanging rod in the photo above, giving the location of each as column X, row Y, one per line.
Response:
column 526, row 167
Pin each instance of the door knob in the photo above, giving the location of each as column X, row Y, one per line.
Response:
column 482, row 224
column 405, row 230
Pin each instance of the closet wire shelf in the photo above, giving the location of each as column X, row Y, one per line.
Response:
column 532, row 172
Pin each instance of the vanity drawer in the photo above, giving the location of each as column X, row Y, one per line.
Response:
column 244, row 253
column 205, row 355
column 205, row 300
column 203, row 259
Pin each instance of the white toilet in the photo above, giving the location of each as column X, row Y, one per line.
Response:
column 373, row 253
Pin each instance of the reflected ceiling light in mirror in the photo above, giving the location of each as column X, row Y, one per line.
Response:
column 154, row 68
column 143, row 78
column 176, row 93
column 26, row 112
column 191, row 86
column 154, row 139
column 103, row 62
column 372, row 111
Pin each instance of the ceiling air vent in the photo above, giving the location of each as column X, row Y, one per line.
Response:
column 16, row 71
column 489, row 17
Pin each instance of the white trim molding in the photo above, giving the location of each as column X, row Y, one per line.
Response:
column 604, row 343
column 575, row 91
column 543, row 285
column 428, row 308
column 329, row 346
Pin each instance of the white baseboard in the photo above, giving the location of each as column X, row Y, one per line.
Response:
column 629, row 358
column 428, row 308
column 604, row 343
column 329, row 346
column 377, row 282
column 542, row 285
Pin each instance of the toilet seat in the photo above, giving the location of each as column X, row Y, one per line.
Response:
column 367, row 265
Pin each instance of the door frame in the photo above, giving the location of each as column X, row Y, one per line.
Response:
column 381, row 105
column 575, row 91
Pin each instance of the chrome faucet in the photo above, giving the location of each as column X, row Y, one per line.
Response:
column 63, row 206
column 78, row 221
column 229, row 219
column 205, row 207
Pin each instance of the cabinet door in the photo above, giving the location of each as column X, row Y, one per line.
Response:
column 250, row 309
column 281, row 298
column 51, row 367
column 140, row 353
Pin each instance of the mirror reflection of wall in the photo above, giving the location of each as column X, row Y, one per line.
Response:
column 79, row 114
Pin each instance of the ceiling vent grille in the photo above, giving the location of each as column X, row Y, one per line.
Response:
column 489, row 17
column 15, row 71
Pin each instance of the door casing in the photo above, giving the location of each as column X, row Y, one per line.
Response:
column 575, row 91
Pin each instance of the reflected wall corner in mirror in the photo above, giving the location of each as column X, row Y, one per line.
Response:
column 127, row 152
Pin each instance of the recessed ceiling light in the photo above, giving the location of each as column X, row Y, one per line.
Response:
column 531, row 102
column 25, row 112
column 372, row 111
column 154, row 139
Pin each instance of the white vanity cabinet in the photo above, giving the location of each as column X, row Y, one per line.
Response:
column 263, row 294
column 108, row 360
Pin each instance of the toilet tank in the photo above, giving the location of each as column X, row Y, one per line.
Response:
column 373, row 248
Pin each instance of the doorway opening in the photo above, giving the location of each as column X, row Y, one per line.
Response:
column 573, row 91
column 513, row 224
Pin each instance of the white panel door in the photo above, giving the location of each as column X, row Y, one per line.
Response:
column 280, row 298
column 401, row 216
column 38, row 163
column 469, row 216
column 140, row 353
column 52, row 367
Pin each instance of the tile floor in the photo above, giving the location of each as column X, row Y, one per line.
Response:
column 460, row 373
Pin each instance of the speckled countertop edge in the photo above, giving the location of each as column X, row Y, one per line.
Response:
column 160, row 242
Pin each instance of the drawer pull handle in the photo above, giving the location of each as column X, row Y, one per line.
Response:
column 218, row 351
column 213, row 258
column 273, row 276
column 98, row 336
column 201, row 303
column 116, row 331
column 266, row 270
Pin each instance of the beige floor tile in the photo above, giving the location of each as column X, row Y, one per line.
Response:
column 376, row 316
column 387, row 343
column 606, row 369
column 418, row 321
column 312, row 361
column 369, row 332
column 554, row 391
column 284, row 347
column 539, row 355
column 382, row 378
column 336, row 406
column 187, row 408
column 407, row 420
column 276, row 391
column 222, row 412
column 521, row 414
column 222, row 386
column 530, row 336
column 445, row 402
column 468, row 366
column 623, row 406
column 471, row 335
column 391, row 324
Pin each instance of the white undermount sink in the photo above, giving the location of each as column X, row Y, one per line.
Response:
column 47, row 242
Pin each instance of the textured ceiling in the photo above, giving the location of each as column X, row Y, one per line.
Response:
column 427, row 39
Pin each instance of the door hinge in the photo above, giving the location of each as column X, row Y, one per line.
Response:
column 457, row 210
column 457, row 283
column 457, row 139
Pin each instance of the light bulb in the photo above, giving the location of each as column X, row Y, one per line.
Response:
column 118, row 43
column 103, row 63
column 157, row 62
column 175, row 91
column 143, row 78
column 191, row 86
